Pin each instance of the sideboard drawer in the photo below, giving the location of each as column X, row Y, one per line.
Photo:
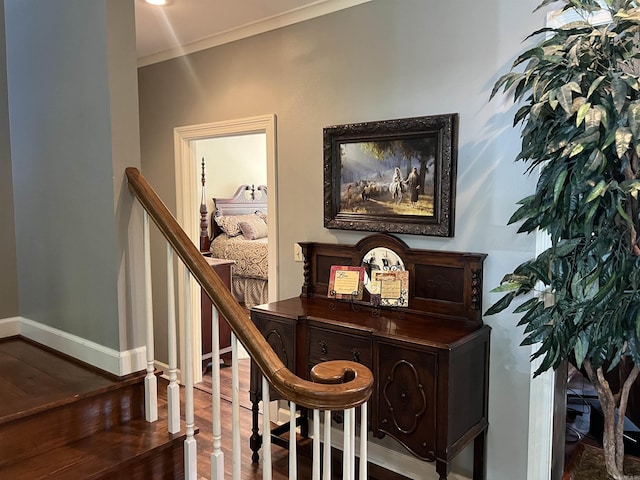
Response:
column 327, row 345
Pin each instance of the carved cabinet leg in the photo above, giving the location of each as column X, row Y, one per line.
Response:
column 443, row 468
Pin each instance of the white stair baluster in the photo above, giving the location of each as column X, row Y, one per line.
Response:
column 327, row 446
column 352, row 438
column 235, row 406
column 217, row 455
column 363, row 442
column 173, row 389
column 150, row 380
column 190, row 452
column 315, row 469
column 347, row 453
column 293, row 455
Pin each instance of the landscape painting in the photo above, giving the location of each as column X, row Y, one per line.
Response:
column 392, row 176
column 388, row 177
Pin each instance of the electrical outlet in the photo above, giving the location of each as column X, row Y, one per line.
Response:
column 297, row 253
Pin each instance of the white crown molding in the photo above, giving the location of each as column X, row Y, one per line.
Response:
column 307, row 12
column 104, row 358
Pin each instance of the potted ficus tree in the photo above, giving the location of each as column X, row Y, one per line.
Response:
column 579, row 90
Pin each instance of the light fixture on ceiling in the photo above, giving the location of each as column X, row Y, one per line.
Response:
column 157, row 2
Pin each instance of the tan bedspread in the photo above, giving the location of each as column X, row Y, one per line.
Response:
column 250, row 255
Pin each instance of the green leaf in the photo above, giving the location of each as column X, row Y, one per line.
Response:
column 592, row 120
column 576, row 150
column 526, row 306
column 506, row 287
column 544, row 4
column 596, row 158
column 533, row 314
column 505, row 81
column 557, row 188
column 595, row 84
column 565, row 247
column 501, row 304
column 597, row 191
column 524, row 211
column 619, row 93
column 604, row 116
column 622, row 213
column 565, row 97
column 631, row 187
column 538, row 268
column 634, row 119
column 582, row 113
column 623, row 140
column 581, row 348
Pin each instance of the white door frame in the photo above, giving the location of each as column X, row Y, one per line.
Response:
column 188, row 186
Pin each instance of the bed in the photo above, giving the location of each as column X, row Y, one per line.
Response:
column 237, row 230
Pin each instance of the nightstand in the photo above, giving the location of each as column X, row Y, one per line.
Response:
column 224, row 270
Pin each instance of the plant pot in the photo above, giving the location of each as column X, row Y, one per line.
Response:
column 587, row 463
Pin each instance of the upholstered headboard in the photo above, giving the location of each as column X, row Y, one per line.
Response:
column 247, row 199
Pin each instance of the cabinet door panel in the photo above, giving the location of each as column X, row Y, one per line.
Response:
column 406, row 408
column 280, row 334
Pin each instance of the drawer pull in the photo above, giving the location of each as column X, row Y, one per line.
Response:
column 356, row 355
column 324, row 348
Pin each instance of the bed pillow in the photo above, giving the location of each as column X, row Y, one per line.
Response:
column 230, row 223
column 262, row 215
column 253, row 228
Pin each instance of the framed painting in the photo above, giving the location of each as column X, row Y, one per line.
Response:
column 394, row 176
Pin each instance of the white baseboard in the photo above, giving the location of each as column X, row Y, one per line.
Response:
column 104, row 358
column 9, row 327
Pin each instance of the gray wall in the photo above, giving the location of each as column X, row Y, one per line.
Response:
column 69, row 89
column 379, row 60
column 8, row 259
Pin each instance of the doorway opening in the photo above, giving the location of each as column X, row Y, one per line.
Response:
column 188, row 195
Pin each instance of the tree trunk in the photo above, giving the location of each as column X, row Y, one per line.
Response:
column 612, row 436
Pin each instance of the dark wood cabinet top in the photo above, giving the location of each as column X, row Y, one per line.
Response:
column 430, row 330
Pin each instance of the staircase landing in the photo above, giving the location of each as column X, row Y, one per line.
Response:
column 61, row 419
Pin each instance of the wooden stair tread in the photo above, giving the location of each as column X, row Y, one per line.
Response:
column 101, row 454
column 36, row 379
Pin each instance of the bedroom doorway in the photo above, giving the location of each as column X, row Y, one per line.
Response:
column 188, row 197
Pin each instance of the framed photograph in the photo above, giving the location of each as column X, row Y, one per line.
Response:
column 394, row 176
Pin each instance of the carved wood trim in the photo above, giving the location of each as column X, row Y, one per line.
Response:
column 389, row 384
column 443, row 283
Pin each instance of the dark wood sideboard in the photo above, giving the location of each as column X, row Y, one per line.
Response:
column 430, row 360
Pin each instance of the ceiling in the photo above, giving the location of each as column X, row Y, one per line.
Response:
column 186, row 26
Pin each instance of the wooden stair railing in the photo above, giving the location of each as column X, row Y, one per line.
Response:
column 323, row 396
column 337, row 385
